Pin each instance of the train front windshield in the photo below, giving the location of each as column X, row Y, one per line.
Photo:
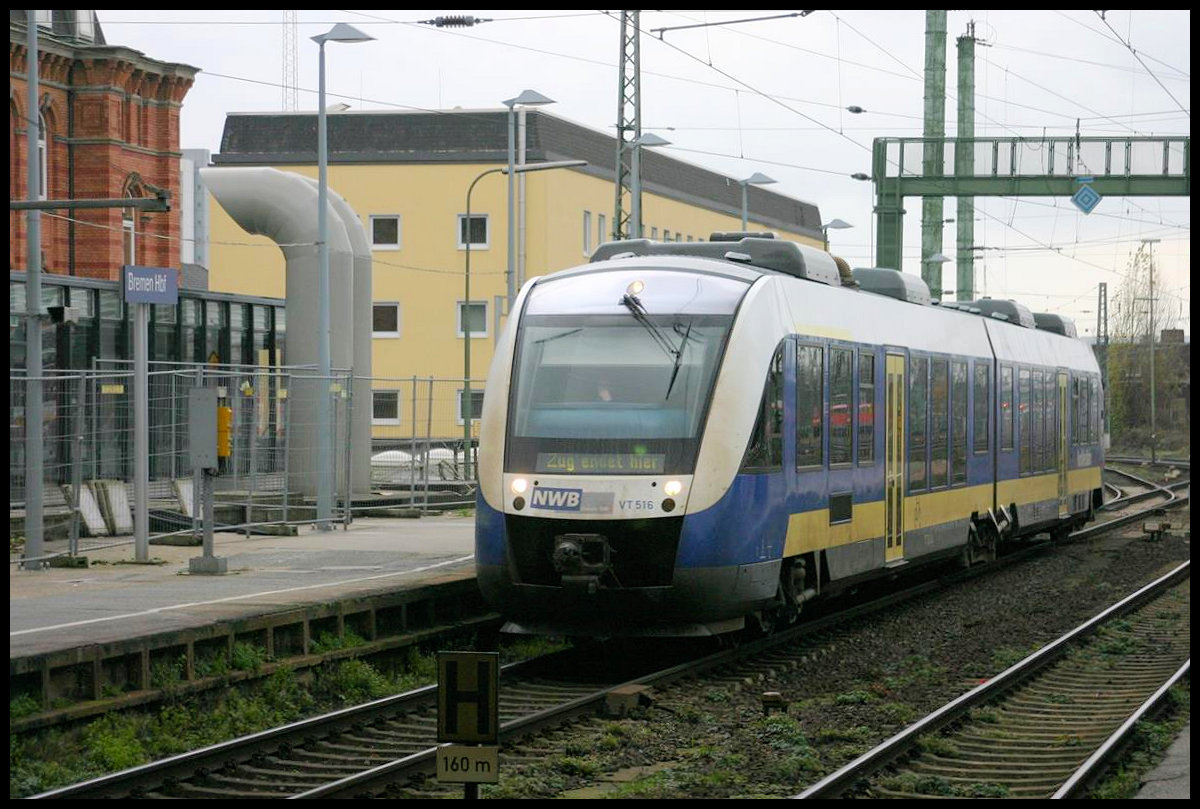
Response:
column 612, row 393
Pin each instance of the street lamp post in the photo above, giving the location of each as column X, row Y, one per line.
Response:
column 757, row 178
column 836, row 224
column 635, row 195
column 339, row 33
column 528, row 98
column 466, row 406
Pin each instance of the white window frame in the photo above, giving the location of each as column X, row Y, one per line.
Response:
column 129, row 231
column 385, row 334
column 654, row 234
column 84, row 28
column 487, row 228
column 371, row 227
column 458, row 320
column 385, row 421
column 459, row 413
column 601, row 227
column 587, row 233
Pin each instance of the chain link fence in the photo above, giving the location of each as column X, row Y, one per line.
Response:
column 270, row 476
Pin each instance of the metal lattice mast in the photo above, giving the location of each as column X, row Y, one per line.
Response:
column 291, row 83
column 629, row 120
column 935, row 132
column 964, row 165
column 1102, row 345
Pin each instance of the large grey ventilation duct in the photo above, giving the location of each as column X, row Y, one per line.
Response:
column 362, row 304
column 283, row 207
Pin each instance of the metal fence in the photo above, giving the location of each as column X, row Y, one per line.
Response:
column 416, row 458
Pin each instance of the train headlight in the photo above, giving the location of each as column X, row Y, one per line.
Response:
column 673, row 488
column 635, row 287
column 520, row 485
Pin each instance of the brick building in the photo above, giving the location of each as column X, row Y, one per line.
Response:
column 109, row 128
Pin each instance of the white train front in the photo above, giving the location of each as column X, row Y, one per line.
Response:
column 678, row 437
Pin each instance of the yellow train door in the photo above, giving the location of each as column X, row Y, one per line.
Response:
column 894, row 458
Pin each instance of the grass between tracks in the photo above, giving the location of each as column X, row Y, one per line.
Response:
column 48, row 759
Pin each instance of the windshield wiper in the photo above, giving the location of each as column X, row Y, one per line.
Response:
column 639, row 314
column 678, row 358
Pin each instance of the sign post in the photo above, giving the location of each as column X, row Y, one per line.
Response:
column 143, row 286
column 468, row 719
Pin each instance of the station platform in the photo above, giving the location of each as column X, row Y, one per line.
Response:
column 80, row 634
column 1172, row 778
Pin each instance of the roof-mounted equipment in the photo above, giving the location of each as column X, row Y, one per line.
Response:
column 1015, row 313
column 760, row 251
column 894, row 284
column 1059, row 324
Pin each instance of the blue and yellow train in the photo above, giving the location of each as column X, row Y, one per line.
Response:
column 678, row 439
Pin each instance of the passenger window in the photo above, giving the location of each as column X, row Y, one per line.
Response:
column 866, row 408
column 841, row 402
column 1074, row 409
column 766, row 443
column 1035, row 416
column 982, row 379
column 939, row 410
column 918, row 388
column 1024, row 420
column 1051, row 402
column 1095, row 419
column 1007, row 411
column 958, row 423
column 810, row 399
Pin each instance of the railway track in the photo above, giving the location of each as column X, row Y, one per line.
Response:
column 1028, row 731
column 368, row 749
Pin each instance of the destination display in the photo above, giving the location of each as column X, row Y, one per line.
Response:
column 603, row 463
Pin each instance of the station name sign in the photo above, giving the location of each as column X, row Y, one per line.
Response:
column 150, row 284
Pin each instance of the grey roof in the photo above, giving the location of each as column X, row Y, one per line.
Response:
column 63, row 25
column 481, row 136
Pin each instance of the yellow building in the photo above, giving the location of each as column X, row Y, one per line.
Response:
column 407, row 176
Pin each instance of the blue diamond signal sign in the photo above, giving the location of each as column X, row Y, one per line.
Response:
column 1086, row 199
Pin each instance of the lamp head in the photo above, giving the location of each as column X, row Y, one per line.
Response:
column 342, row 33
column 528, row 98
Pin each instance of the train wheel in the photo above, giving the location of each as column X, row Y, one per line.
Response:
column 981, row 544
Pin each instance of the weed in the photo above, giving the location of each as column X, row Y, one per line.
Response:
column 856, row 697
column 781, row 732
column 575, row 765
column 937, row 745
column 24, row 705
column 987, row 715
column 247, row 657
column 898, row 712
column 716, row 695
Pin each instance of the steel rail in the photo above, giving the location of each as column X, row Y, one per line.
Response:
column 1091, row 770
column 902, row 742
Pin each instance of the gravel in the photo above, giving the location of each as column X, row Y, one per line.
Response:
column 711, row 739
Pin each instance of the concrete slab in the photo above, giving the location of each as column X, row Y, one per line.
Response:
column 112, row 600
column 1172, row 778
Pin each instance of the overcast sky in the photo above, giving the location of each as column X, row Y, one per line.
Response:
column 767, row 96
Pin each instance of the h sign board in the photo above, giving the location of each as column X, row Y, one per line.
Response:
column 468, row 697
column 150, row 284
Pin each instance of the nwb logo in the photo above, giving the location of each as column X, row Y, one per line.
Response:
column 557, row 499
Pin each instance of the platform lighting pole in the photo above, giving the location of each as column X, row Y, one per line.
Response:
column 635, row 176
column 756, row 178
column 34, row 470
column 528, row 98
column 836, row 224
column 466, row 406
column 349, row 34
column 1153, row 414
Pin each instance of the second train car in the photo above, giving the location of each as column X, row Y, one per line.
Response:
column 678, row 439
